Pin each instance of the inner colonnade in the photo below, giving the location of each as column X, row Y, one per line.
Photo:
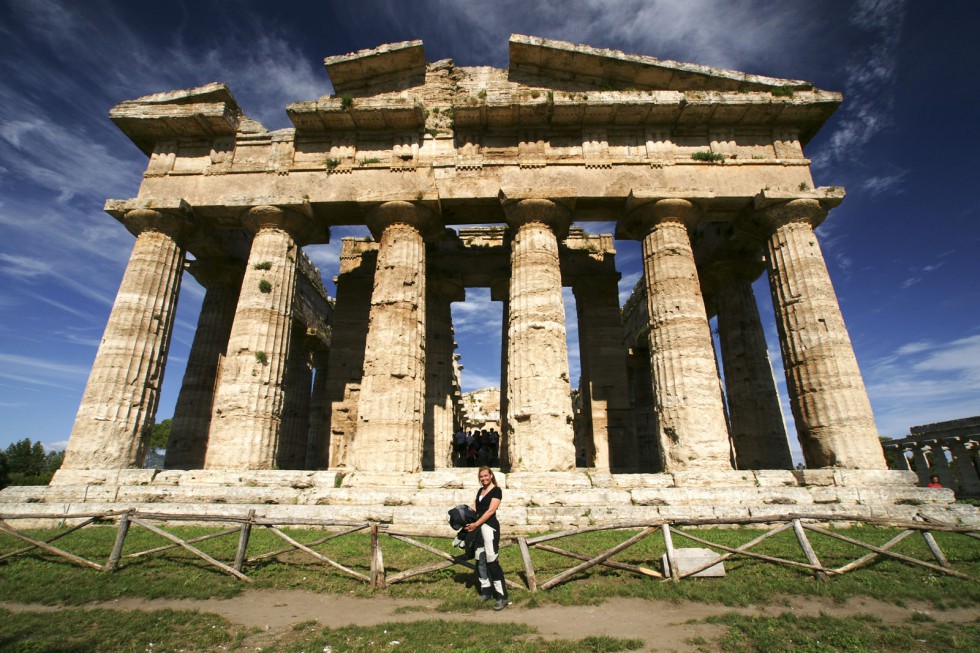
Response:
column 704, row 167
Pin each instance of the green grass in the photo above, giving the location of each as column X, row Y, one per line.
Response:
column 114, row 630
column 856, row 634
column 434, row 635
column 39, row 577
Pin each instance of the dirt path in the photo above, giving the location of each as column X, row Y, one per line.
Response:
column 661, row 624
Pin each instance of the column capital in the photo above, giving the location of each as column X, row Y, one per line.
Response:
column 778, row 213
column 413, row 214
column 296, row 221
column 718, row 274
column 552, row 207
column 212, row 272
column 644, row 213
column 172, row 223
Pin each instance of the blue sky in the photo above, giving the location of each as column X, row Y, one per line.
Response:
column 901, row 249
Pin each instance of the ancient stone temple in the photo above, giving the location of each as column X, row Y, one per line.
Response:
column 343, row 407
column 704, row 167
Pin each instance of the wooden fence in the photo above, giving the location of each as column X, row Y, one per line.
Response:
column 378, row 579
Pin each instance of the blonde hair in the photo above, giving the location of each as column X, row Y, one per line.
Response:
column 493, row 479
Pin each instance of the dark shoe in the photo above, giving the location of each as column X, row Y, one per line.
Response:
column 501, row 604
column 486, row 597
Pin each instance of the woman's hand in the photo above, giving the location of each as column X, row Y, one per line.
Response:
column 469, row 528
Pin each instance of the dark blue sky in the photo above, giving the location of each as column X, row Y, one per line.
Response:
column 901, row 249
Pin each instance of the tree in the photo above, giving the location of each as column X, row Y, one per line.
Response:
column 160, row 434
column 25, row 457
column 4, row 470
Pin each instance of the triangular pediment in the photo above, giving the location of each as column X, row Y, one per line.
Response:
column 545, row 62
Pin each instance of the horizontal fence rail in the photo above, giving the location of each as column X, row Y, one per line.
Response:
column 243, row 526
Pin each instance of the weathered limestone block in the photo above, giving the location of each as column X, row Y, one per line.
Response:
column 630, row 481
column 909, row 496
column 962, row 515
column 245, row 425
column 371, row 479
column 553, row 518
column 547, row 480
column 830, row 404
column 774, row 478
column 118, row 407
column 688, row 559
column 815, row 476
column 692, row 430
column 693, row 496
column 65, row 476
column 392, row 393
column 136, row 476
column 455, row 479
column 222, row 280
column 539, row 406
column 558, row 497
column 210, row 477
column 756, row 418
column 874, row 477
column 714, row 478
column 206, row 494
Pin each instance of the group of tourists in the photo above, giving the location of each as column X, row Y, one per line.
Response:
column 476, row 448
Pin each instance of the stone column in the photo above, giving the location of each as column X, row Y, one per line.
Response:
column 539, row 400
column 901, row 460
column 603, row 359
column 691, row 427
column 923, row 468
column 943, row 471
column 248, row 403
column 346, row 366
column 318, row 449
column 222, row 279
column 963, row 460
column 830, row 405
column 440, row 344
column 500, row 292
column 392, row 401
column 644, row 415
column 294, row 431
column 756, row 418
column 119, row 405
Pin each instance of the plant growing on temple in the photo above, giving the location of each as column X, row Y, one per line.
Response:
column 708, row 156
column 804, row 186
column 261, row 357
column 265, row 286
column 783, row 91
column 333, row 163
column 264, row 265
column 346, row 102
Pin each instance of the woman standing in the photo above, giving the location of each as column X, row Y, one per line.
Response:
column 487, row 501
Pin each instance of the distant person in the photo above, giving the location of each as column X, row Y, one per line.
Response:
column 934, row 482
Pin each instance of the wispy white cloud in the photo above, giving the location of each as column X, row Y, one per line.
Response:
column 880, row 184
column 41, row 372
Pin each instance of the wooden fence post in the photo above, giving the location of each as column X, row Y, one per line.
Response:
column 377, row 560
column 675, row 573
column 112, row 564
column 243, row 535
column 808, row 551
column 937, row 553
column 532, row 581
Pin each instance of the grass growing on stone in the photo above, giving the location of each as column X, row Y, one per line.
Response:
column 858, row 634
column 113, row 630
column 40, row 578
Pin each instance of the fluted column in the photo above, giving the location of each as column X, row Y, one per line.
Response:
column 943, row 471
column 188, row 442
column 345, row 369
column 539, row 404
column 830, row 404
column 440, row 344
column 318, row 449
column 963, row 460
column 691, row 427
column 245, row 424
column 297, row 386
column 755, row 416
column 119, row 405
column 603, row 359
column 392, row 398
column 500, row 292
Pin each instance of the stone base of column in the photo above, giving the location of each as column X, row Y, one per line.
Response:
column 533, row 501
